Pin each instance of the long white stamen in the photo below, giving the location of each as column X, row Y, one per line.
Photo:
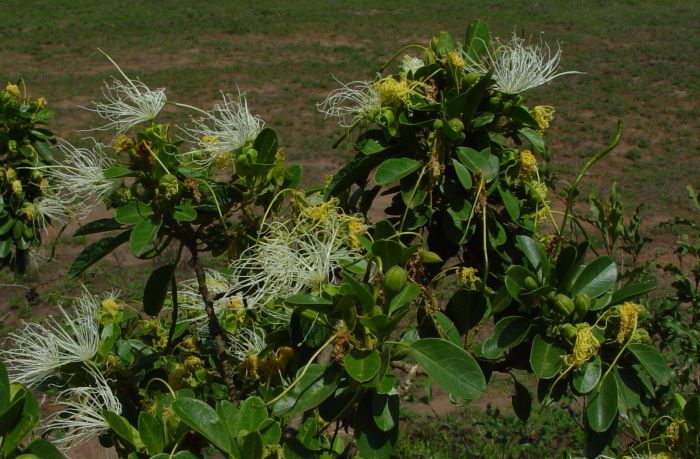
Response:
column 352, row 102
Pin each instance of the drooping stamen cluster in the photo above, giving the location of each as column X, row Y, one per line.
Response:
column 517, row 65
column 38, row 350
column 352, row 102
column 128, row 103
column 226, row 128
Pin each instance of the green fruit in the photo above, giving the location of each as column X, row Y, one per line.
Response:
column 437, row 124
column 395, row 279
column 530, row 283
column 471, row 78
column 569, row 331
column 428, row 258
column 582, row 303
column 456, row 125
column 564, row 304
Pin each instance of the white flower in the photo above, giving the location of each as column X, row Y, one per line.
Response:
column 352, row 102
column 191, row 302
column 47, row 210
column 226, row 128
column 248, row 341
column 82, row 419
column 517, row 66
column 38, row 350
column 78, row 183
column 127, row 103
column 410, row 64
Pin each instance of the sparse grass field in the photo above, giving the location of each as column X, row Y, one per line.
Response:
column 640, row 58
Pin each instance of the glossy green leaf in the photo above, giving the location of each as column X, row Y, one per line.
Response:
column 271, row 431
column 522, row 401
column 185, row 213
column 389, row 251
column 632, row 291
column 319, row 382
column 373, row 442
column 121, row 426
column 597, row 278
column 45, row 450
column 394, row 169
column 96, row 251
column 151, row 432
column 116, row 172
column 535, row 139
column 586, row 378
column 251, row 414
column 266, row 144
column 602, row 405
column 652, row 361
column 252, row 447
column 408, row 293
column 450, row 366
column 480, row 162
column 98, row 226
column 508, row 332
column 370, row 147
column 463, row 175
column 545, row 358
column 385, row 410
column 143, row 235
column 362, row 365
column 157, row 288
column 202, row 418
column 511, row 202
column 132, row 212
column 306, row 299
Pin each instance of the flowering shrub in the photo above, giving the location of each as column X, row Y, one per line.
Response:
column 26, row 206
column 303, row 345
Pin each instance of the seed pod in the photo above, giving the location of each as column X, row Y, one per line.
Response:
column 428, row 258
column 564, row 304
column 395, row 279
column 437, row 124
column 582, row 303
column 530, row 283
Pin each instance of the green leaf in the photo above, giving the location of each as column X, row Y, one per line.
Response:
column 522, row 115
column 597, row 278
column 522, row 401
column 652, row 361
column 450, row 366
column 44, row 449
column 474, row 97
column 202, row 418
column 121, row 426
column 252, row 447
column 408, row 293
column 631, row 291
column 482, row 120
column 370, row 147
column 143, row 235
column 156, row 289
column 98, row 226
column 96, row 251
column 373, row 442
column 535, row 139
column 18, row 429
column 151, row 432
column 252, row 413
column 480, row 162
column 394, row 169
column 545, row 358
column 116, row 172
column 389, row 251
column 385, row 410
column 586, row 378
column 132, row 212
column 534, row 254
column 511, row 202
column 271, row 431
column 508, row 332
column 319, row 382
column 4, row 388
column 362, row 365
column 691, row 412
column 463, row 175
column 477, row 39
column 185, row 213
column 266, row 143
column 304, row 299
column 602, row 406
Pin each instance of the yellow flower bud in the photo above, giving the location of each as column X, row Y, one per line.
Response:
column 528, row 163
column 41, row 103
column 629, row 314
column 585, row 347
column 12, row 89
column 123, row 142
column 543, row 115
column 17, row 187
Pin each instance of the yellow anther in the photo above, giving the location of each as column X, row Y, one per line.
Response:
column 543, row 115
